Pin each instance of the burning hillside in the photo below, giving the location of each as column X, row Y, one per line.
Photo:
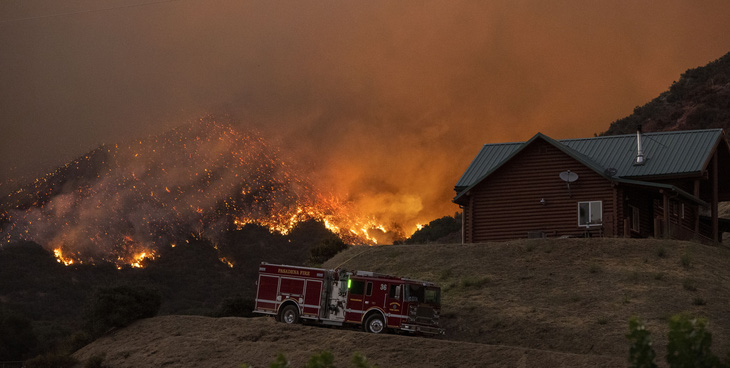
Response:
column 122, row 203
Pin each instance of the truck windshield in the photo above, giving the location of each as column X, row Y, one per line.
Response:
column 421, row 294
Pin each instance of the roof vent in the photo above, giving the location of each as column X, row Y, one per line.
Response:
column 639, row 151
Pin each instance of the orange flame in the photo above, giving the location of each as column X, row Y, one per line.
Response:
column 154, row 192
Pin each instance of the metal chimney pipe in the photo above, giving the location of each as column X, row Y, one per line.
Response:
column 639, row 150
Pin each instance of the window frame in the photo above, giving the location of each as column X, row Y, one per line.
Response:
column 590, row 212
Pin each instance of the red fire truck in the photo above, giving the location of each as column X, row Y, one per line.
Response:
column 337, row 297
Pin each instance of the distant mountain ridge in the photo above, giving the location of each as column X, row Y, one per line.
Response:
column 699, row 100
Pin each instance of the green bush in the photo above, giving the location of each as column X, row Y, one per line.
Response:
column 688, row 347
column 280, row 362
column 359, row 361
column 119, row 306
column 641, row 353
column 324, row 359
column 689, row 343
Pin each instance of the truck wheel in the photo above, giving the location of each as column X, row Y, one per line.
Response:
column 375, row 324
column 289, row 315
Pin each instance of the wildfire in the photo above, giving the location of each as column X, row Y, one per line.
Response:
column 121, row 203
column 139, row 258
column 61, row 259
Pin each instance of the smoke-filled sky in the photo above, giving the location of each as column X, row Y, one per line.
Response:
column 383, row 102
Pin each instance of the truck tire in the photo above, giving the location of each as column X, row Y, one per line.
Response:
column 375, row 324
column 289, row 314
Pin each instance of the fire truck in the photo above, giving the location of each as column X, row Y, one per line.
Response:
column 338, row 297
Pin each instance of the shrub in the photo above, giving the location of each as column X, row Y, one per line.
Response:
column 119, row 306
column 594, row 268
column 436, row 229
column 326, row 249
column 686, row 260
column 17, row 340
column 324, row 359
column 236, row 306
column 641, row 353
column 689, row 285
column 96, row 361
column 51, row 360
column 280, row 362
column 474, row 282
column 359, row 361
column 688, row 347
column 689, row 343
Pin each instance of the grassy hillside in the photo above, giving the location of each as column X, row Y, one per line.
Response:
column 204, row 342
column 566, row 295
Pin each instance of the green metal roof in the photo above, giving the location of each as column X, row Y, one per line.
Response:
column 666, row 154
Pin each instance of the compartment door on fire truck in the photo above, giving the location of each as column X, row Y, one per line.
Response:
column 394, row 305
column 355, row 295
column 312, row 298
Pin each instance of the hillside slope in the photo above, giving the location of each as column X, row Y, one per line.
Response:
column 194, row 341
column 568, row 295
column 700, row 99
column 527, row 303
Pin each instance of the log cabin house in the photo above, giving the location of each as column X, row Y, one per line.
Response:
column 665, row 184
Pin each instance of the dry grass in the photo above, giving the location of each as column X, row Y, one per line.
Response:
column 527, row 303
column 568, row 295
column 193, row 341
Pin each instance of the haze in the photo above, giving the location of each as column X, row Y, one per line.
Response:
column 383, row 102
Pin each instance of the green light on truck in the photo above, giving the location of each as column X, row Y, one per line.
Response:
column 349, row 283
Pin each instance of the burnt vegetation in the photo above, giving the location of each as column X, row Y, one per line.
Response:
column 49, row 310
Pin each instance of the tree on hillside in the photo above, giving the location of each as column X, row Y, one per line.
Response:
column 17, row 338
column 119, row 306
column 436, row 230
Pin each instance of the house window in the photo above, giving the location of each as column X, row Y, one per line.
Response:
column 635, row 220
column 590, row 213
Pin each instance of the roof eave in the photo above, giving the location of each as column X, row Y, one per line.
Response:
column 663, row 186
column 687, row 175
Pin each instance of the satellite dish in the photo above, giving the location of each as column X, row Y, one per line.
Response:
column 611, row 172
column 568, row 176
